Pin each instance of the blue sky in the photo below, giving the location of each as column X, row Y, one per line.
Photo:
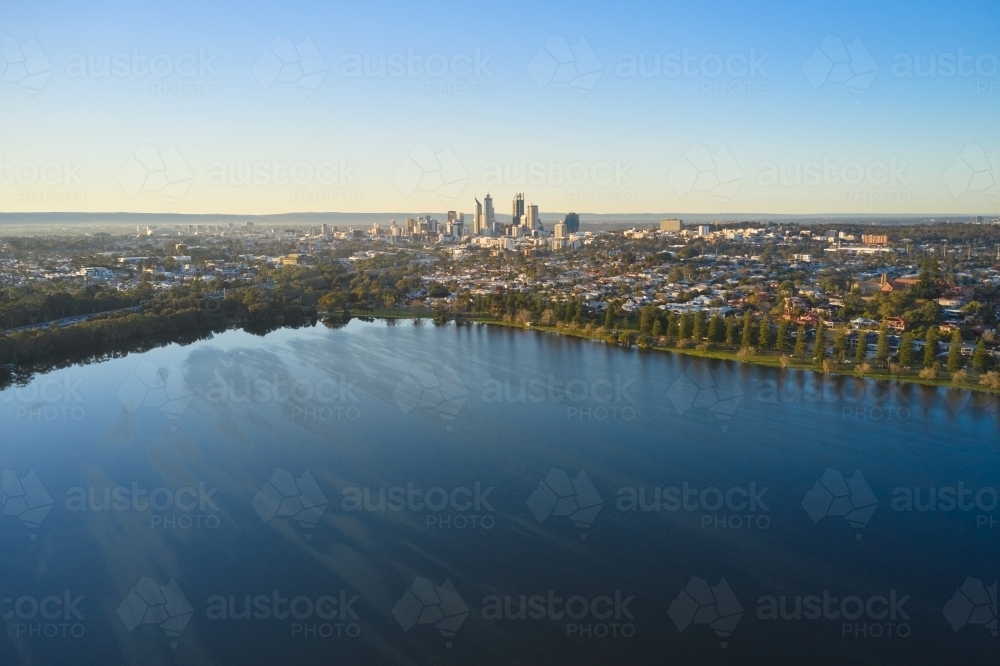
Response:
column 829, row 120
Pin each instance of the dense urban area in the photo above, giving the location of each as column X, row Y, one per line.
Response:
column 912, row 302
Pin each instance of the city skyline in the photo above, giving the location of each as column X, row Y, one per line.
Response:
column 285, row 110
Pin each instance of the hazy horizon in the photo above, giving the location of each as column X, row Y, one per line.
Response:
column 859, row 109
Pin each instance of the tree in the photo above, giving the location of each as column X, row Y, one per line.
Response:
column 781, row 339
column 955, row 351
column 882, row 349
column 716, row 328
column 698, row 326
column 646, row 320
column 861, row 350
column 991, row 379
column 746, row 332
column 609, row 316
column 930, row 349
column 764, row 335
column 800, row 342
column 906, row 350
column 332, row 301
column 686, row 324
column 730, row 331
column 819, row 348
column 840, row 345
column 657, row 329
column 673, row 326
column 979, row 356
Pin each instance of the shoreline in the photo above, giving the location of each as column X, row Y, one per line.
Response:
column 770, row 359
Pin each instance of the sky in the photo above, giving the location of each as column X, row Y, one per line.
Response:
column 673, row 108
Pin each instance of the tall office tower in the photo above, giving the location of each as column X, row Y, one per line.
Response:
column 559, row 230
column 488, row 214
column 518, row 209
column 411, row 226
column 478, row 223
column 531, row 220
column 572, row 222
column 452, row 216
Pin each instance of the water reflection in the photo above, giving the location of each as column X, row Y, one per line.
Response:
column 424, row 494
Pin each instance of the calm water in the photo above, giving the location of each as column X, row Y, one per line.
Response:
column 411, row 495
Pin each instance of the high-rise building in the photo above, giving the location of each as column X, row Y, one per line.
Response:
column 559, row 230
column 488, row 215
column 518, row 209
column 478, row 223
column 572, row 222
column 531, row 220
column 671, row 224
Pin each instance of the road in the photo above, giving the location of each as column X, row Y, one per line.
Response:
column 69, row 321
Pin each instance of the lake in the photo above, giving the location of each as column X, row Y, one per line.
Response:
column 467, row 494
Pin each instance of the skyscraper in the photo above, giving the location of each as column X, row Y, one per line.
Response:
column 518, row 209
column 531, row 220
column 572, row 222
column 478, row 223
column 488, row 214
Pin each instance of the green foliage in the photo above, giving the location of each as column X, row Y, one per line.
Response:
column 800, row 342
column 979, row 357
column 882, row 349
column 955, row 362
column 930, row 348
column 906, row 350
column 746, row 331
